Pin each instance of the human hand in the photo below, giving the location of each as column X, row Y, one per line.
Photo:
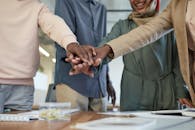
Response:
column 101, row 53
column 80, row 66
column 111, row 93
column 185, row 101
column 86, row 69
column 85, row 53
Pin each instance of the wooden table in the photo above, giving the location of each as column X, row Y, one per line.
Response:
column 80, row 117
column 52, row 125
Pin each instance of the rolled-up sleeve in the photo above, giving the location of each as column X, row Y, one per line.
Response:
column 142, row 35
column 55, row 27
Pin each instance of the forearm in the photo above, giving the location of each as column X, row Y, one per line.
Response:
column 142, row 35
column 56, row 28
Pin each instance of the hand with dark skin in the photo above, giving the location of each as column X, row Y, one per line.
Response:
column 77, row 62
column 85, row 53
column 111, row 91
column 80, row 66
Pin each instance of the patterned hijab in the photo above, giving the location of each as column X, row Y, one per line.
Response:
column 152, row 11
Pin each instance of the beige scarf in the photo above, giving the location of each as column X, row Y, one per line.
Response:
column 140, row 19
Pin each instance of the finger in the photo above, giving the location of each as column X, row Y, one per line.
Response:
column 86, row 54
column 85, row 68
column 69, row 57
column 181, row 101
column 77, row 58
column 97, row 62
column 69, row 54
column 187, row 102
column 89, row 52
column 73, row 72
column 113, row 100
column 94, row 52
column 92, row 49
column 76, row 61
column 79, row 67
column 82, row 54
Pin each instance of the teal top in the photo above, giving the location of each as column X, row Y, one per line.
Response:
column 151, row 78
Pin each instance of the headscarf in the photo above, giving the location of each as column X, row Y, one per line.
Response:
column 151, row 12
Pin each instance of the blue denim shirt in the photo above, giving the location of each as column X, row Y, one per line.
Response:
column 87, row 20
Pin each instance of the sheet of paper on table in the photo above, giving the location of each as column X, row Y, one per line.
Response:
column 117, row 123
column 171, row 114
column 162, row 121
column 190, row 112
column 26, row 116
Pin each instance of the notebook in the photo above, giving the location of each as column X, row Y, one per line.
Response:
column 185, row 112
column 17, row 117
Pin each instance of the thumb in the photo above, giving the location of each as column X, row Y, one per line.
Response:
column 97, row 62
column 70, row 56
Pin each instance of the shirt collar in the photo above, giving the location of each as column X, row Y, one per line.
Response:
column 92, row 1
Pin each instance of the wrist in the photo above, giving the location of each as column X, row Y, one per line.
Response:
column 108, row 51
column 72, row 46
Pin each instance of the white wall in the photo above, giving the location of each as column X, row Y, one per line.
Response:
column 41, row 86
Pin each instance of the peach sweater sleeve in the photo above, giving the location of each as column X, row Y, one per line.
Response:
column 55, row 27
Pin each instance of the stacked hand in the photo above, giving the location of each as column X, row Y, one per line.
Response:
column 84, row 57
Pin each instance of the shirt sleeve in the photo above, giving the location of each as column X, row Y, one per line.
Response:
column 114, row 33
column 143, row 35
column 55, row 27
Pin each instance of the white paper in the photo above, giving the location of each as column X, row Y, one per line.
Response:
column 16, row 117
column 190, row 112
column 147, row 114
column 117, row 123
column 36, row 112
column 162, row 121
